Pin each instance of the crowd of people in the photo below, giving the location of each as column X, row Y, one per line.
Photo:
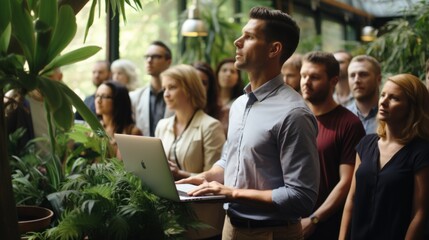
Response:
column 315, row 146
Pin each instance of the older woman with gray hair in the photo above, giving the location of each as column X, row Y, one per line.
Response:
column 124, row 72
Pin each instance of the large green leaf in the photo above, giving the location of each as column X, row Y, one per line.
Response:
column 12, row 63
column 64, row 31
column 22, row 28
column 84, row 111
column 51, row 93
column 72, row 57
column 63, row 116
column 43, row 38
column 59, row 105
column 5, row 16
column 44, row 26
column 27, row 81
column 5, row 38
column 48, row 11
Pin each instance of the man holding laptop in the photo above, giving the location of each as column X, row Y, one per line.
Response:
column 270, row 172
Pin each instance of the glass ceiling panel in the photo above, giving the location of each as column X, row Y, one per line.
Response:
column 382, row 8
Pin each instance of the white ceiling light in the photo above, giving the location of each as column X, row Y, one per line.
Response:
column 368, row 34
column 194, row 26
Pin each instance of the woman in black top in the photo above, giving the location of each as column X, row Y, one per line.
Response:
column 389, row 195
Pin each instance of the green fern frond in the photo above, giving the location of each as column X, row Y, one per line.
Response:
column 75, row 225
column 118, row 228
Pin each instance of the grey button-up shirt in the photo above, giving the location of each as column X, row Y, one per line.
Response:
column 369, row 122
column 272, row 146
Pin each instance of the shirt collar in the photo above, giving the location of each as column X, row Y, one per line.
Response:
column 372, row 113
column 263, row 91
column 152, row 91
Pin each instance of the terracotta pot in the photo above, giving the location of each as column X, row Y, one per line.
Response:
column 33, row 218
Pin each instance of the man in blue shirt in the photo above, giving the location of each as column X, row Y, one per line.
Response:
column 365, row 79
column 270, row 170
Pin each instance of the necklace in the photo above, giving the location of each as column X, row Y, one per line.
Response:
column 173, row 149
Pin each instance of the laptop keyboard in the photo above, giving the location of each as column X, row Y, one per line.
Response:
column 183, row 193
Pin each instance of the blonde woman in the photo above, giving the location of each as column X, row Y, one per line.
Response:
column 192, row 139
column 389, row 195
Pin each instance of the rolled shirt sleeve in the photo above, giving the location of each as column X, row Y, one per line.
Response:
column 300, row 165
column 272, row 146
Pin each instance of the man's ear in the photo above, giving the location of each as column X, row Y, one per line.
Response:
column 275, row 50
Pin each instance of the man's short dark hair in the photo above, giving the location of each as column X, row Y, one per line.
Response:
column 279, row 26
column 168, row 54
column 327, row 59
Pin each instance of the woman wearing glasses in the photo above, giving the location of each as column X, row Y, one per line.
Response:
column 113, row 106
column 192, row 139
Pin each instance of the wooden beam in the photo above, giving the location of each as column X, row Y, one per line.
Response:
column 348, row 8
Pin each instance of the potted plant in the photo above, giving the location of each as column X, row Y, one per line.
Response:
column 105, row 202
column 33, row 218
column 31, row 181
column 39, row 39
column 97, row 201
column 32, row 38
column 34, row 176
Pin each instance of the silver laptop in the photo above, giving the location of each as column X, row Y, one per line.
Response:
column 145, row 157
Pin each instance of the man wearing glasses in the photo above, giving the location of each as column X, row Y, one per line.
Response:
column 148, row 102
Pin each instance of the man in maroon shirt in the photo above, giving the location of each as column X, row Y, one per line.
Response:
column 339, row 132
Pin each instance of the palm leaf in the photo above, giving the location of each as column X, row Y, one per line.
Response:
column 90, row 18
column 118, row 228
column 83, row 110
column 71, row 57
